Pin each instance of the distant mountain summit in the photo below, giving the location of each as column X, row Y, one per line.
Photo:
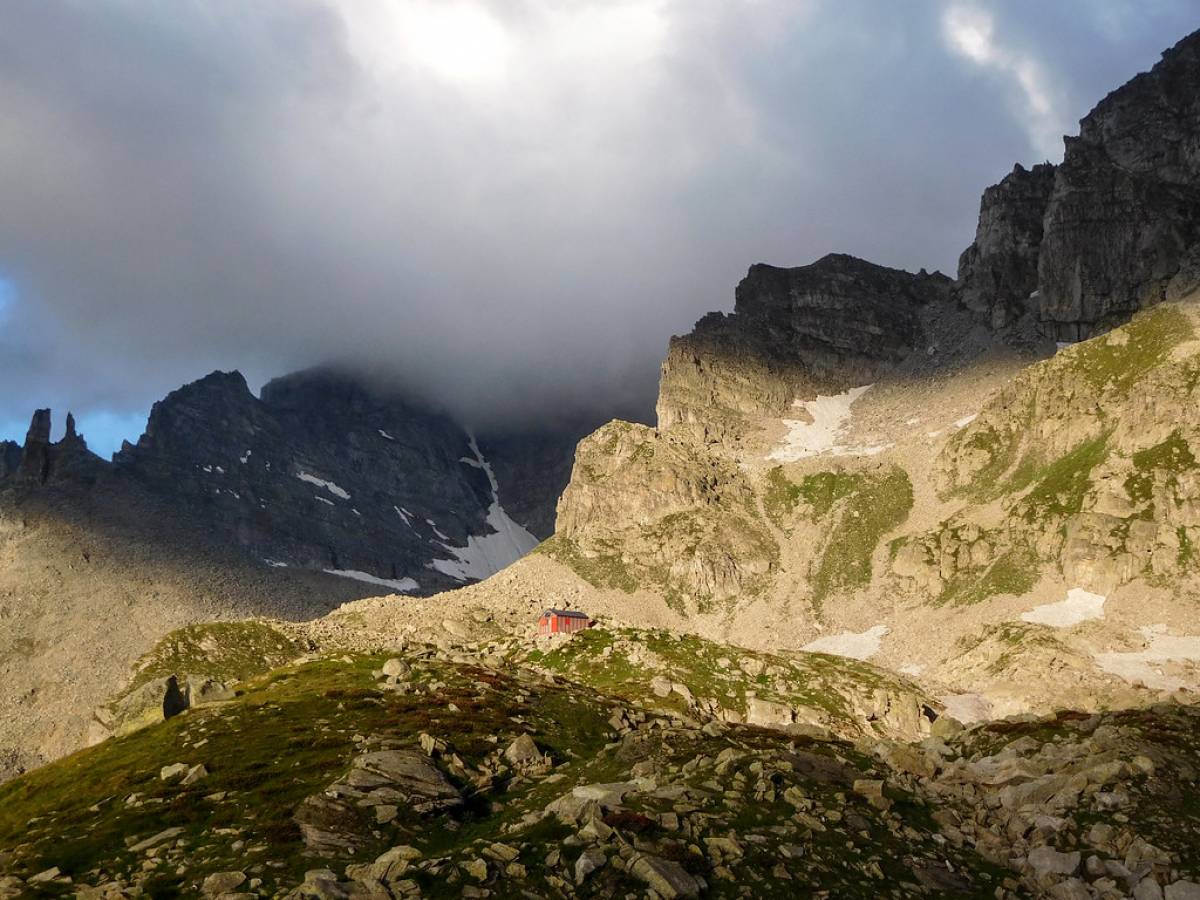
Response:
column 324, row 473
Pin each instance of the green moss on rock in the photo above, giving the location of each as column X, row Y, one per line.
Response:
column 1060, row 488
column 868, row 507
column 1013, row 572
column 600, row 570
column 1122, row 358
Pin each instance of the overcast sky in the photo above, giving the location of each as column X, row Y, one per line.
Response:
column 510, row 204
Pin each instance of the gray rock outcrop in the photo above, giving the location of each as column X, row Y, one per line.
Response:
column 998, row 273
column 1114, row 228
column 837, row 322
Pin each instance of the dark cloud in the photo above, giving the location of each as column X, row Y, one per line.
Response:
column 509, row 205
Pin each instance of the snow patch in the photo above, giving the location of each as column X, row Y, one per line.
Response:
column 856, row 645
column 1145, row 665
column 966, row 420
column 436, row 530
column 321, row 482
column 913, row 669
column 275, row 564
column 1080, row 606
column 400, row 585
column 323, row 500
column 404, row 515
column 245, row 457
column 383, row 434
column 967, row 708
column 913, row 421
column 487, row 554
column 829, row 415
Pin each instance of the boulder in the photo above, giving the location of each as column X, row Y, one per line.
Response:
column 665, row 877
column 1182, row 890
column 1046, row 861
column 524, row 755
column 768, row 713
column 403, row 776
column 589, row 861
column 221, row 883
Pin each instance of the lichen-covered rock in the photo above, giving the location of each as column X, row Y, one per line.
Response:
column 647, row 509
column 1094, row 456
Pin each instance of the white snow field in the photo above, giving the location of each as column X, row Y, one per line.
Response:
column 400, row 586
column 1080, row 606
column 1145, row 665
column 487, row 554
column 321, row 482
column 855, row 645
column 829, row 415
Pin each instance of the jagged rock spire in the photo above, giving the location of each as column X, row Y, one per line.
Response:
column 35, row 456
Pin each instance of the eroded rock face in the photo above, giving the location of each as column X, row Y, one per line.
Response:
column 838, row 322
column 1095, row 452
column 998, row 273
column 1114, row 240
column 1113, row 229
column 40, row 460
column 646, row 508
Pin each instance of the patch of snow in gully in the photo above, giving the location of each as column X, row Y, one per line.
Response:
column 829, row 415
column 436, row 530
column 966, row 420
column 967, row 708
column 383, row 434
column 1080, row 606
column 856, row 645
column 321, row 482
column 487, row 554
column 1144, row 665
column 400, row 585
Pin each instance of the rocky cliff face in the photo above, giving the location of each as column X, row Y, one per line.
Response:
column 1114, row 228
column 646, row 508
column 836, row 323
column 998, row 273
column 1094, row 453
column 532, row 465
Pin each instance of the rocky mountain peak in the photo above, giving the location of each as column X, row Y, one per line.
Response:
column 41, row 460
column 998, row 273
column 1149, row 124
column 834, row 323
column 1113, row 229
